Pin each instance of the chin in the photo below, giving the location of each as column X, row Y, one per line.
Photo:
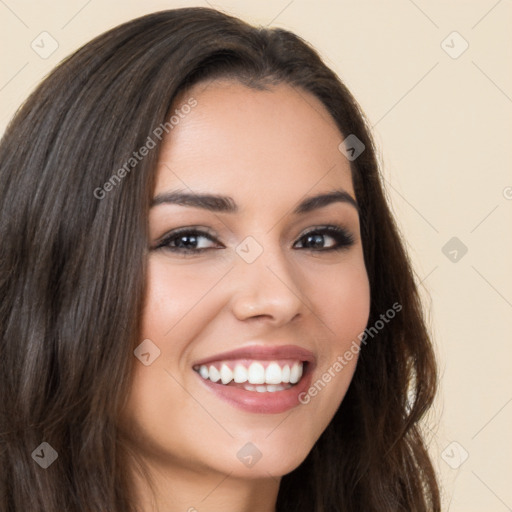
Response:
column 262, row 457
column 269, row 466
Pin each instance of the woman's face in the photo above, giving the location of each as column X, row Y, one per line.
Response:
column 245, row 293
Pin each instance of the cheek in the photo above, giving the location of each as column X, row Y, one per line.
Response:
column 173, row 294
column 166, row 299
column 354, row 301
column 342, row 301
column 343, row 305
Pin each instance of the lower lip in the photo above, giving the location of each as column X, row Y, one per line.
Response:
column 262, row 403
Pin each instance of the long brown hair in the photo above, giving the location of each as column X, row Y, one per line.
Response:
column 73, row 272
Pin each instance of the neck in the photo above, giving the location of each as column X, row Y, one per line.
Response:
column 204, row 491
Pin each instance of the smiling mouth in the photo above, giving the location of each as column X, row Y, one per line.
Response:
column 260, row 376
column 258, row 379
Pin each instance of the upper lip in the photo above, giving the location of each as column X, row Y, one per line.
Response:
column 263, row 353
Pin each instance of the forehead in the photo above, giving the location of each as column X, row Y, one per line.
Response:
column 274, row 144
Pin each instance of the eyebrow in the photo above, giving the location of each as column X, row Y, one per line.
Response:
column 226, row 204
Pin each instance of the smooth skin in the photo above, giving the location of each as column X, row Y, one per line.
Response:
column 268, row 151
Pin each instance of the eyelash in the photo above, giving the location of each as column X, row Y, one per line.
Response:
column 341, row 236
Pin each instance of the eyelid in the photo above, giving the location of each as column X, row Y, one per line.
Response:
column 343, row 237
column 200, row 230
column 334, row 231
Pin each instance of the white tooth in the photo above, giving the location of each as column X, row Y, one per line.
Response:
column 249, row 387
column 273, row 374
column 203, row 371
column 261, row 389
column 296, row 373
column 256, row 373
column 226, row 375
column 285, row 374
column 240, row 374
column 214, row 374
column 273, row 388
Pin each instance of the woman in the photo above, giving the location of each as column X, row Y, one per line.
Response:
column 206, row 301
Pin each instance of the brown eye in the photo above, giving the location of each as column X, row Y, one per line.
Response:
column 186, row 241
column 315, row 239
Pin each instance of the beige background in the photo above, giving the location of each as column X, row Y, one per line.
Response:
column 443, row 125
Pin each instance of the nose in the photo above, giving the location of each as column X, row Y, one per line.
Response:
column 267, row 289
